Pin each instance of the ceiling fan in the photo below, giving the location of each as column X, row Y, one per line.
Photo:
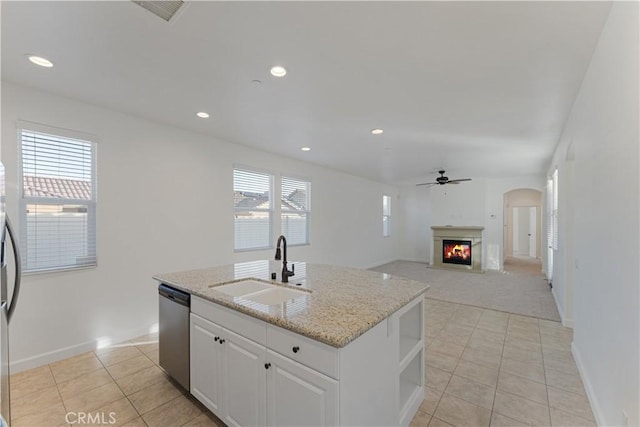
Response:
column 442, row 180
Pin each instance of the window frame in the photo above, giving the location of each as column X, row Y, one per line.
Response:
column 307, row 212
column 554, row 211
column 24, row 201
column 386, row 215
column 270, row 210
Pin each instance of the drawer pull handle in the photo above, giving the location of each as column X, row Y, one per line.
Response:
column 221, row 341
column 267, row 365
column 216, row 338
column 296, row 349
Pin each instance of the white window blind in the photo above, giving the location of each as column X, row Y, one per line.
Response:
column 386, row 216
column 550, row 213
column 252, row 209
column 554, row 212
column 58, row 203
column 295, row 213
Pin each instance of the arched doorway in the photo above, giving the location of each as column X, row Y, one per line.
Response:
column 522, row 237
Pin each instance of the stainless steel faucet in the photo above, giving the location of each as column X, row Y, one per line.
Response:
column 285, row 272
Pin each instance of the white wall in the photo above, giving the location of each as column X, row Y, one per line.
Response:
column 415, row 220
column 598, row 164
column 165, row 203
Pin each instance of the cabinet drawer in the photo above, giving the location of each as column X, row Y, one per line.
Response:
column 316, row 355
column 242, row 324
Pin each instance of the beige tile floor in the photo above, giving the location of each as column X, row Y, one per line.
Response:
column 483, row 367
column 123, row 381
column 489, row 368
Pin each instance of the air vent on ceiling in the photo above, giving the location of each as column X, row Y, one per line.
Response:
column 165, row 9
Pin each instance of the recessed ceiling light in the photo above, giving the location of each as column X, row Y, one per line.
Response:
column 376, row 131
column 278, row 71
column 38, row 60
column 202, row 115
column 306, row 148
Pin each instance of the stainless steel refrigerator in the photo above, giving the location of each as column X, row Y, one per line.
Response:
column 7, row 301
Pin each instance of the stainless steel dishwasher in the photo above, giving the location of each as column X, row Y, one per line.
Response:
column 174, row 333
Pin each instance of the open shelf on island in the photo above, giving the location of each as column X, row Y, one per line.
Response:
column 411, row 323
column 410, row 359
column 411, row 382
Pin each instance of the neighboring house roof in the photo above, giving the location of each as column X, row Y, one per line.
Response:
column 298, row 198
column 37, row 186
column 242, row 200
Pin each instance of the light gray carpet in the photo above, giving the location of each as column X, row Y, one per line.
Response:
column 520, row 290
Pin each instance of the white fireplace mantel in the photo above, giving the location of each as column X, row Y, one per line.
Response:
column 449, row 232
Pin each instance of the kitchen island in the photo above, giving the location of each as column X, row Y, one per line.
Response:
column 346, row 348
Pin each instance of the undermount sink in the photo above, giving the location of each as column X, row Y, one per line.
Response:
column 244, row 287
column 260, row 292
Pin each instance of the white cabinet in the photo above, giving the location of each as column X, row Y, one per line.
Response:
column 298, row 395
column 206, row 363
column 244, row 381
column 249, row 372
column 228, row 373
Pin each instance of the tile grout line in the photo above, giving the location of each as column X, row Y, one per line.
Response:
column 445, row 387
column 452, row 373
column 544, row 372
column 120, row 388
column 66, row 411
column 495, row 393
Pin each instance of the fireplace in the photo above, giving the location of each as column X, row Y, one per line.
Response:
column 457, row 248
column 456, row 252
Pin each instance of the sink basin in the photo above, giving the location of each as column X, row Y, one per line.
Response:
column 274, row 296
column 260, row 292
column 243, row 287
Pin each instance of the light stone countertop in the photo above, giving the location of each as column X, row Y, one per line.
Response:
column 343, row 303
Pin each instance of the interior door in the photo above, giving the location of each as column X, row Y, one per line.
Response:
column 533, row 235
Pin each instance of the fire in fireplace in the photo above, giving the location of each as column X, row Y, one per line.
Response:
column 456, row 252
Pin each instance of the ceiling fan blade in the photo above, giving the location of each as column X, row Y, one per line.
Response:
column 427, row 183
column 456, row 181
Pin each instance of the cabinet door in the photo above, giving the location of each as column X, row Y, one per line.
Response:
column 298, row 395
column 245, row 381
column 206, row 363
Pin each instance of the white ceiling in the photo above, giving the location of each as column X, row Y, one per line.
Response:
column 480, row 88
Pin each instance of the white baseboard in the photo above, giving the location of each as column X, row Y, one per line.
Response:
column 567, row 323
column 597, row 413
column 73, row 350
column 420, row 260
column 378, row 264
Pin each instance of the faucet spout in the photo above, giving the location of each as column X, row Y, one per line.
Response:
column 285, row 272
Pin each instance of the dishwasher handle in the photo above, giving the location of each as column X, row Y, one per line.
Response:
column 175, row 295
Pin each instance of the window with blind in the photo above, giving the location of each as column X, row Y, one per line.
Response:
column 554, row 211
column 253, row 209
column 58, row 203
column 386, row 216
column 295, row 210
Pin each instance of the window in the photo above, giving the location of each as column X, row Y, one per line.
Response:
column 295, row 198
column 386, row 216
column 252, row 209
column 554, row 211
column 58, row 203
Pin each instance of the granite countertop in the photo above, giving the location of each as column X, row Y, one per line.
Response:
column 342, row 303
